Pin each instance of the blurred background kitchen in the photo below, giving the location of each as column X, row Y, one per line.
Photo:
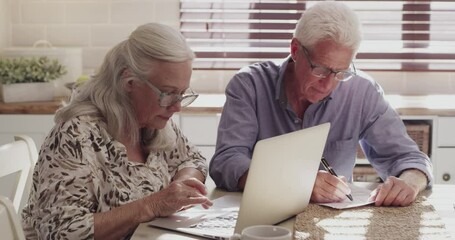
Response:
column 409, row 48
column 96, row 25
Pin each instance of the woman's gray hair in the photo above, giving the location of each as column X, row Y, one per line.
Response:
column 329, row 20
column 104, row 96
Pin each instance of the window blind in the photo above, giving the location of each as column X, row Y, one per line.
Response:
column 397, row 35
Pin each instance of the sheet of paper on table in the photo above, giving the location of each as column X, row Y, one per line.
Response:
column 360, row 195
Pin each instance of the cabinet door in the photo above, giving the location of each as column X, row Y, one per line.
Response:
column 207, row 152
column 200, row 129
column 35, row 126
column 446, row 132
column 176, row 119
column 445, row 166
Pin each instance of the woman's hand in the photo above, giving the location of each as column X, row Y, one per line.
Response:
column 178, row 195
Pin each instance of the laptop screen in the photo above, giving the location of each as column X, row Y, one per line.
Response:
column 279, row 185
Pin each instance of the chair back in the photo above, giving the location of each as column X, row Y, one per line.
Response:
column 10, row 227
column 17, row 160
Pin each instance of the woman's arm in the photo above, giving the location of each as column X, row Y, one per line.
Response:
column 122, row 221
column 187, row 173
column 188, row 161
column 186, row 189
column 119, row 222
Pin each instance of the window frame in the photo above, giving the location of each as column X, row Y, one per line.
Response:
column 415, row 50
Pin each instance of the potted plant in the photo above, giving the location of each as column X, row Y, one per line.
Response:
column 29, row 79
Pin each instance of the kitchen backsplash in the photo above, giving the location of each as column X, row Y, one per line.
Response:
column 93, row 25
column 97, row 25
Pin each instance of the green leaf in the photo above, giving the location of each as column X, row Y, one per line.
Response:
column 28, row 70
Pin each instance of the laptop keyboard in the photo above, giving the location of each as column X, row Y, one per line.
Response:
column 222, row 224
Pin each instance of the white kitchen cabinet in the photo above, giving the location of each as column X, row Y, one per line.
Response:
column 207, row 152
column 176, row 119
column 201, row 130
column 444, row 172
column 444, row 155
column 446, row 132
column 35, row 126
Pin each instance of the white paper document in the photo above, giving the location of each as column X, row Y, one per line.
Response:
column 360, row 195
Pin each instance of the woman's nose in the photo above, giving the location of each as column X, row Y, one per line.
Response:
column 176, row 107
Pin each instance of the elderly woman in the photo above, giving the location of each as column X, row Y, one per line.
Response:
column 115, row 159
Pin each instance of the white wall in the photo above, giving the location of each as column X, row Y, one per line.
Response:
column 4, row 23
column 96, row 25
column 401, row 83
column 93, row 25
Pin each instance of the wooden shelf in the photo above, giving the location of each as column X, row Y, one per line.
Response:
column 31, row 107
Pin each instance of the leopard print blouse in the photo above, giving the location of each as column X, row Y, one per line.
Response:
column 82, row 170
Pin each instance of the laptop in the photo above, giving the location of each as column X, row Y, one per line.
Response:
column 280, row 181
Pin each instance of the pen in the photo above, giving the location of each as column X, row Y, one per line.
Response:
column 331, row 171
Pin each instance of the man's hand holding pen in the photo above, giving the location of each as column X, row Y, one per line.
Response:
column 329, row 188
column 329, row 169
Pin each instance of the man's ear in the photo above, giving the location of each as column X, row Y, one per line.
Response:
column 295, row 46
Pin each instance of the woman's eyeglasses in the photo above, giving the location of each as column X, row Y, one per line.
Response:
column 169, row 99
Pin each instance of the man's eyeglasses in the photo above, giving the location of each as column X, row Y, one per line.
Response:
column 169, row 99
column 323, row 72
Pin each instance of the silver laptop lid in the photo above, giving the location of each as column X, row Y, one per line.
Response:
column 281, row 177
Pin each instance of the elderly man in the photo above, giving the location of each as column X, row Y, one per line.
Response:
column 318, row 83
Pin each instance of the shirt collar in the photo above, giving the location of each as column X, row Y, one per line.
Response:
column 280, row 93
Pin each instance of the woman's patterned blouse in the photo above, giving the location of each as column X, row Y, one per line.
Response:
column 82, row 170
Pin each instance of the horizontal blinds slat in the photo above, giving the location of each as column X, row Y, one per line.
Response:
column 242, row 5
column 230, row 26
column 217, row 35
column 413, row 35
column 383, row 65
column 216, row 45
column 361, row 55
column 284, row 35
column 231, row 16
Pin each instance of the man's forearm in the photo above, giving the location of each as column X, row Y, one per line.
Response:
column 242, row 181
column 415, row 178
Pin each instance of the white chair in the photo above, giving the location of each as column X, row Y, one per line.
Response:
column 17, row 160
column 10, row 227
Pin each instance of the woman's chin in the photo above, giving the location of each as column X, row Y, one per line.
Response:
column 158, row 123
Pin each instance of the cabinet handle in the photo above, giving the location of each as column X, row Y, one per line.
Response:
column 446, row 177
